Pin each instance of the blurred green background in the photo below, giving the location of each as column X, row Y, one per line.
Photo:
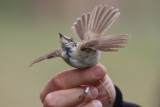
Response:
column 29, row 29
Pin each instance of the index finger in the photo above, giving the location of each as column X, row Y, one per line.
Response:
column 73, row 78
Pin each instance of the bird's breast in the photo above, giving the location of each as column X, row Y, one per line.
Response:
column 81, row 59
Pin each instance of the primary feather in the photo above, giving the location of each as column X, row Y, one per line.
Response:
column 106, row 43
column 54, row 53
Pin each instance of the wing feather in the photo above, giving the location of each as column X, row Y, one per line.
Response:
column 107, row 43
column 53, row 54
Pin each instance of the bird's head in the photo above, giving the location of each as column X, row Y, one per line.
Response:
column 66, row 42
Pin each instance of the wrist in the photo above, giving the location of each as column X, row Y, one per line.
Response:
column 119, row 98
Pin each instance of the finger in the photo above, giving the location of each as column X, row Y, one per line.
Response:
column 93, row 103
column 73, row 78
column 68, row 97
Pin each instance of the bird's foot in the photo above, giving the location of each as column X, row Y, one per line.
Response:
column 107, row 93
column 108, row 97
column 84, row 96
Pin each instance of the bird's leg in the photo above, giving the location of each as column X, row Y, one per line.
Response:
column 84, row 96
column 107, row 92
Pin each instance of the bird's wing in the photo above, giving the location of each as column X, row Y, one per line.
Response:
column 106, row 43
column 93, row 24
column 53, row 54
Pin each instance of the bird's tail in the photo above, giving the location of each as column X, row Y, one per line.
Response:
column 96, row 22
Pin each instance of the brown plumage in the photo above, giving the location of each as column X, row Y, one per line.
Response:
column 107, row 43
column 54, row 53
column 93, row 24
column 89, row 28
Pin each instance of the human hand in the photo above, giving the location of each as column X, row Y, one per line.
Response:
column 64, row 89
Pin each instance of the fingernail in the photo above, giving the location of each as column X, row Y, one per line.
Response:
column 94, row 92
column 99, row 71
column 97, row 103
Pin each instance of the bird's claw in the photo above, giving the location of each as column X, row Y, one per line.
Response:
column 107, row 93
column 84, row 96
column 108, row 97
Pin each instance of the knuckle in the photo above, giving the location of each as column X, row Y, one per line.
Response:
column 59, row 82
column 51, row 100
column 96, row 103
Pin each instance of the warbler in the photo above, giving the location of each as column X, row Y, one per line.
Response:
column 89, row 28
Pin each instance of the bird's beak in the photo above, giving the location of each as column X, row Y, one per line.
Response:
column 61, row 37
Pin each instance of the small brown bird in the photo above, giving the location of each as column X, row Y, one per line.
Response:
column 89, row 28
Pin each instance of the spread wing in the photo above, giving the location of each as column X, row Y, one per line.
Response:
column 93, row 24
column 53, row 54
column 107, row 43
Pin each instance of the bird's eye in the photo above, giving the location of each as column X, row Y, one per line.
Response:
column 71, row 39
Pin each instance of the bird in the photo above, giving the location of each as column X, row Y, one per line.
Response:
column 89, row 29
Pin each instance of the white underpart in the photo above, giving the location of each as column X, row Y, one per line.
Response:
column 85, row 60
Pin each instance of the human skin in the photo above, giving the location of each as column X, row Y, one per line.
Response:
column 64, row 89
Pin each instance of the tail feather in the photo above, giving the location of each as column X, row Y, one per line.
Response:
column 95, row 23
column 109, row 21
